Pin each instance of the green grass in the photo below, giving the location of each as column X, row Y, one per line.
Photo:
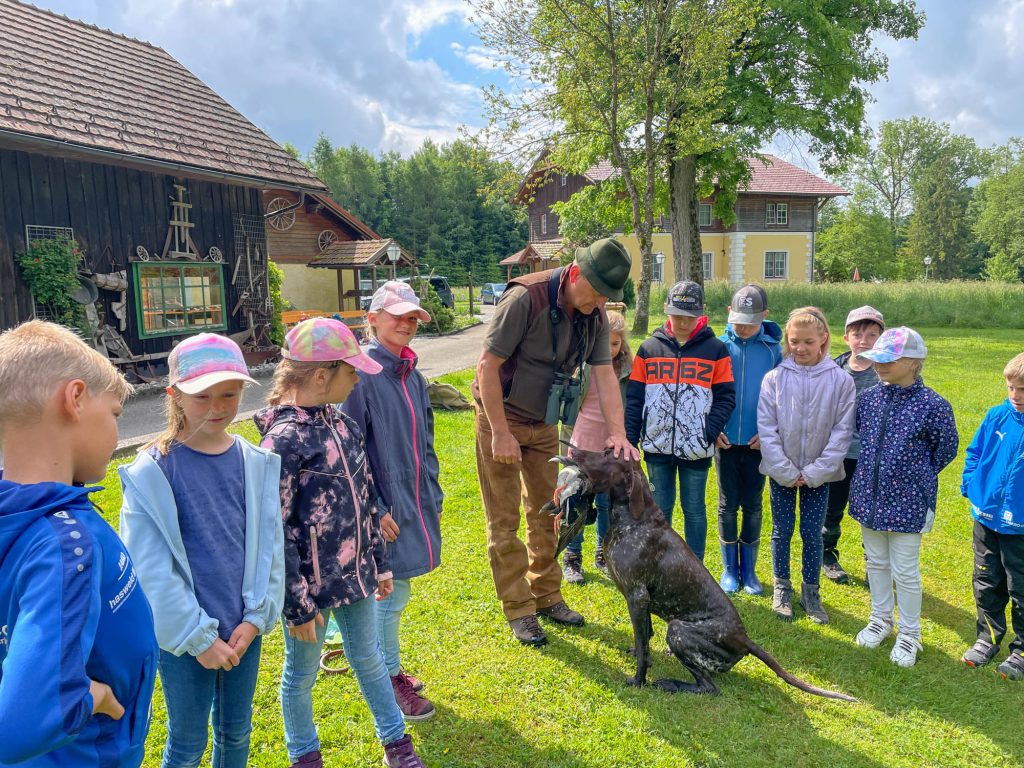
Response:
column 567, row 705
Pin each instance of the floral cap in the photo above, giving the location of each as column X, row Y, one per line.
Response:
column 325, row 340
column 896, row 343
column 203, row 360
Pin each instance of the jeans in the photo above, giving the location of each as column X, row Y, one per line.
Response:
column 389, row 616
column 693, row 478
column 812, row 512
column 889, row 556
column 838, row 496
column 190, row 691
column 601, row 502
column 358, row 624
column 740, row 485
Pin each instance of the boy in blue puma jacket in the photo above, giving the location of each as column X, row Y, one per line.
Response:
column 77, row 648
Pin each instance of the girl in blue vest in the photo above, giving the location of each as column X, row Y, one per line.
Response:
column 393, row 410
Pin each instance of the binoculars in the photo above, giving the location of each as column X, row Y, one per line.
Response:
column 563, row 400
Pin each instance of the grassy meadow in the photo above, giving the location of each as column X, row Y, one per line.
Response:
column 567, row 705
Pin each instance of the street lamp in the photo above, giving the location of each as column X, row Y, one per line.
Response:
column 393, row 253
column 659, row 259
column 927, row 263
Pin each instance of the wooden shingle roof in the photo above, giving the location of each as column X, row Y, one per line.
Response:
column 359, row 253
column 94, row 90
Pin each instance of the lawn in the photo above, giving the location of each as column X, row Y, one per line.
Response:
column 567, row 705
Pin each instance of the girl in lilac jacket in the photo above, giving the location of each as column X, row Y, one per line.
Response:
column 805, row 420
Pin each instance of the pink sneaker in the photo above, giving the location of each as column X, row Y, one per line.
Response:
column 309, row 760
column 417, row 684
column 401, row 754
column 413, row 706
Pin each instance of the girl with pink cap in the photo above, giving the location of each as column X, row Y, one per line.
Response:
column 335, row 559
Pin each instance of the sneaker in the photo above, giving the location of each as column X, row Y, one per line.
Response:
column 417, row 684
column 834, row 572
column 782, row 599
column 572, row 568
column 1013, row 667
column 309, row 760
column 873, row 634
column 401, row 754
column 527, row 631
column 904, row 653
column 810, row 601
column 980, row 654
column 413, row 706
column 561, row 613
column 599, row 561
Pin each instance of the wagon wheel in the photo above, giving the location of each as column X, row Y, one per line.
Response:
column 325, row 238
column 142, row 253
column 281, row 221
column 216, row 255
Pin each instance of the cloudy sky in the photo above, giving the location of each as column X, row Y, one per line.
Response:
column 385, row 74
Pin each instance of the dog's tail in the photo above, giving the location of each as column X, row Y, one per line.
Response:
column 789, row 677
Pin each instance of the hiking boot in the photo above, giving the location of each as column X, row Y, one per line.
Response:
column 413, row 706
column 782, row 599
column 810, row 601
column 572, row 567
column 309, row 760
column 874, row 634
column 1013, row 667
column 560, row 613
column 834, row 572
column 730, row 579
column 400, row 754
column 904, row 653
column 599, row 562
column 979, row 654
column 527, row 631
column 417, row 684
column 748, row 577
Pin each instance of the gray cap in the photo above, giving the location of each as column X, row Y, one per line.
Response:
column 865, row 313
column 685, row 298
column 896, row 343
column 749, row 305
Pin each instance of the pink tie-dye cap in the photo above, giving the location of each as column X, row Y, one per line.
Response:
column 203, row 360
column 324, row 340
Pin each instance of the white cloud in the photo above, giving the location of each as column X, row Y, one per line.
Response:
column 1006, row 23
column 423, row 15
column 478, row 56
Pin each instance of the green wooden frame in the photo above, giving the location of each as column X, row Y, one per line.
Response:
column 187, row 327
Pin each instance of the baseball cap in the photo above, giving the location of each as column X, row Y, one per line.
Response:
column 749, row 305
column 865, row 313
column 685, row 298
column 398, row 298
column 203, row 360
column 896, row 343
column 326, row 340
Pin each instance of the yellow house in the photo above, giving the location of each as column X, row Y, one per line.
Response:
column 772, row 239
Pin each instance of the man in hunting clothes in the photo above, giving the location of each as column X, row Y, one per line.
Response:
column 546, row 326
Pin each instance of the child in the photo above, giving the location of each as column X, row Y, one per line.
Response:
column 908, row 436
column 77, row 651
column 202, row 518
column 863, row 327
column 334, row 552
column 993, row 482
column 590, row 434
column 393, row 412
column 679, row 396
column 753, row 345
column 805, row 417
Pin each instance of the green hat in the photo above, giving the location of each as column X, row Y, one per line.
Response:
column 605, row 263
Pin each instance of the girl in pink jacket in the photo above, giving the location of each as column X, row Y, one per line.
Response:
column 805, row 419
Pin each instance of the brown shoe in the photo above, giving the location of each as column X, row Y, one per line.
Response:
column 562, row 614
column 413, row 706
column 527, row 631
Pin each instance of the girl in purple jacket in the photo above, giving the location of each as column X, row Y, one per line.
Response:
column 908, row 435
column 805, row 421
column 334, row 553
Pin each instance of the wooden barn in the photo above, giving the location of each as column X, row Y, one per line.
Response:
column 110, row 144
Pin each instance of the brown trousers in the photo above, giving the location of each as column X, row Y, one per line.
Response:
column 526, row 576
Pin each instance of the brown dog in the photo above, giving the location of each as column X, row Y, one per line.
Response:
column 658, row 574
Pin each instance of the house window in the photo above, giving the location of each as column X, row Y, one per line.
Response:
column 777, row 214
column 704, row 215
column 708, row 264
column 543, row 223
column 565, row 179
column 179, row 297
column 775, row 263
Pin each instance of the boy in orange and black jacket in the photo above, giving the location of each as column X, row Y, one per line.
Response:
column 679, row 397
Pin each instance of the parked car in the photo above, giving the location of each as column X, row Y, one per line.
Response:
column 439, row 284
column 491, row 292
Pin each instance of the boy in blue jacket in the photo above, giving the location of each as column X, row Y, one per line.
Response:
column 77, row 647
column 754, row 347
column 993, row 482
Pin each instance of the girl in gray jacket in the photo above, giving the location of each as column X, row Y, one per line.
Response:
column 805, row 418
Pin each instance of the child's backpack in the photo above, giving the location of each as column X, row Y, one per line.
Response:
column 446, row 397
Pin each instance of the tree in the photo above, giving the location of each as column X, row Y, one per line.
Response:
column 857, row 237
column 595, row 87
column 999, row 219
